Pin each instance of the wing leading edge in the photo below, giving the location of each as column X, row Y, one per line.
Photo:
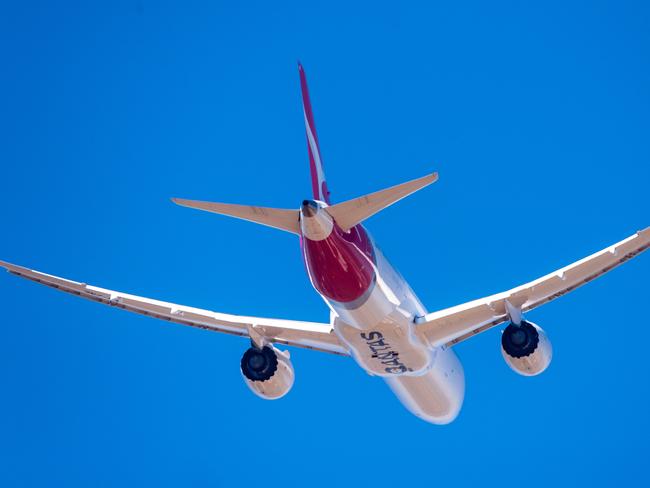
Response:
column 453, row 325
column 309, row 335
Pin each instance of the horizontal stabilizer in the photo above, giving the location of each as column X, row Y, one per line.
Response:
column 272, row 217
column 350, row 213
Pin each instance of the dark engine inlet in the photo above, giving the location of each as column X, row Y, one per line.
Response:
column 259, row 364
column 520, row 341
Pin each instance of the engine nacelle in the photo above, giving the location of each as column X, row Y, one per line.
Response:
column 267, row 372
column 526, row 349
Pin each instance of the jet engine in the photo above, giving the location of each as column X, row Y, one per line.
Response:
column 526, row 349
column 267, row 372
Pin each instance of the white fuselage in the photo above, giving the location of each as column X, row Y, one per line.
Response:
column 380, row 332
column 382, row 337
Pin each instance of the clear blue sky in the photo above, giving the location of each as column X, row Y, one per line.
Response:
column 536, row 117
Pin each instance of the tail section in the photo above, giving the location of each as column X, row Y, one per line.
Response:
column 345, row 214
column 318, row 183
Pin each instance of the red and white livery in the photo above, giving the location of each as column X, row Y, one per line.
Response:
column 376, row 318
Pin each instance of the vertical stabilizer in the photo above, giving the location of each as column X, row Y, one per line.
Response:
column 318, row 183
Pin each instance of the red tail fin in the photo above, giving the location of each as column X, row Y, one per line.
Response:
column 318, row 183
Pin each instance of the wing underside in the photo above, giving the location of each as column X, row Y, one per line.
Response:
column 453, row 325
column 309, row 335
column 446, row 327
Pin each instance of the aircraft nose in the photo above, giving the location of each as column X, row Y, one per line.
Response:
column 309, row 208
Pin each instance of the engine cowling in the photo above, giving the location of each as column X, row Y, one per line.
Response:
column 268, row 372
column 526, row 349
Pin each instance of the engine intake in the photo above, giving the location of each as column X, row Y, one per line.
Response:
column 520, row 341
column 526, row 349
column 268, row 372
column 259, row 364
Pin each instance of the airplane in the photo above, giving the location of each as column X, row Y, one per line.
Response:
column 375, row 317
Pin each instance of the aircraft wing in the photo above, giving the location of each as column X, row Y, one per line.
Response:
column 307, row 335
column 453, row 325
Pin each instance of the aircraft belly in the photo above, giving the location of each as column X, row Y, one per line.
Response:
column 379, row 328
column 435, row 396
column 387, row 348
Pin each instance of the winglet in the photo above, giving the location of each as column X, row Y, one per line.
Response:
column 271, row 217
column 350, row 213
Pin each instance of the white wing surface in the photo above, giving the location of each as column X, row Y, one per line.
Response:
column 455, row 324
column 307, row 335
